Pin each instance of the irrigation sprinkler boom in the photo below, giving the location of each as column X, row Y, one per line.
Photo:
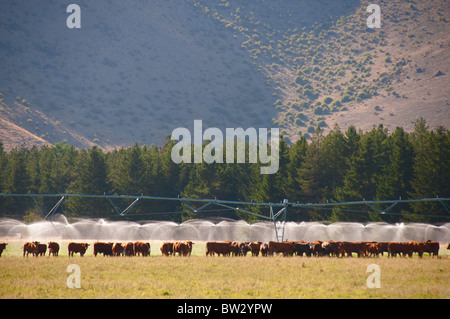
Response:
column 277, row 211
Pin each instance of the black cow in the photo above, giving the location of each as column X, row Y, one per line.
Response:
column 302, row 248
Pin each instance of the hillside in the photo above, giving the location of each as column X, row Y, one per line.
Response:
column 138, row 69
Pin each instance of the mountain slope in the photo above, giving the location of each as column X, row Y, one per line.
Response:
column 133, row 72
column 338, row 70
column 138, row 69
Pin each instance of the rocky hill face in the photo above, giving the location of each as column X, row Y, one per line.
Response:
column 136, row 70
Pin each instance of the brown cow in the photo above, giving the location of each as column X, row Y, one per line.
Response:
column 117, row 249
column 53, row 249
column 318, row 249
column 419, row 247
column 30, row 248
column 189, row 245
column 41, row 249
column 327, row 248
column 2, row 248
column 373, row 249
column 394, row 249
column 401, row 249
column 239, row 248
column 246, row 248
column 383, row 247
column 408, row 249
column 236, row 248
column 433, row 247
column 333, row 247
column 353, row 247
column 425, row 247
column 177, row 248
column 324, row 248
column 142, row 248
column 166, row 248
column 77, row 248
column 264, row 250
column 285, row 247
column 128, row 249
column 103, row 248
column 255, row 247
column 218, row 248
column 182, row 248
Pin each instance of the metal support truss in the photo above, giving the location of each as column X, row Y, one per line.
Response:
column 126, row 210
column 54, row 208
column 279, row 226
column 446, row 206
column 382, row 211
column 44, row 213
column 282, row 213
column 278, row 218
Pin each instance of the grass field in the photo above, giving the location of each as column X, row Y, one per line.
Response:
column 221, row 277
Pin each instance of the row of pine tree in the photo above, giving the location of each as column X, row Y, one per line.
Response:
column 336, row 167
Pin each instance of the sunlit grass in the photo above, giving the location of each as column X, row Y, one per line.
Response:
column 223, row 277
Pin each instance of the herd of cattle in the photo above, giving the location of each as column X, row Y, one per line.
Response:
column 235, row 248
column 323, row 248
column 106, row 249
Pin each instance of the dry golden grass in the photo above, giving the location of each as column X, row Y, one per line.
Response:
column 223, row 277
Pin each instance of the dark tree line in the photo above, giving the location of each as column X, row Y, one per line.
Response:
column 337, row 167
